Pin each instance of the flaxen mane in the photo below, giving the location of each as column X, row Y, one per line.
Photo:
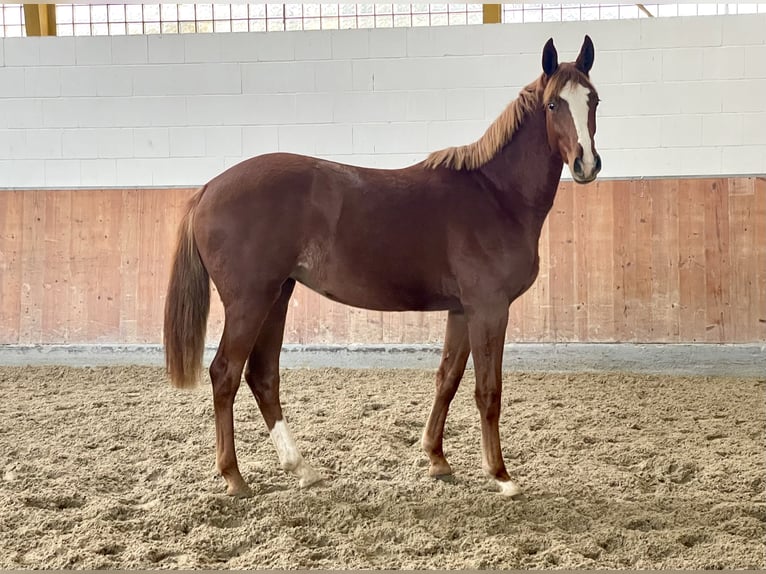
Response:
column 500, row 132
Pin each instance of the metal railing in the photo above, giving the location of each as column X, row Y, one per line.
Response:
column 119, row 19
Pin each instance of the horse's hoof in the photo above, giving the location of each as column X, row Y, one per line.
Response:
column 241, row 491
column 441, row 471
column 510, row 489
column 309, row 477
column 444, row 477
column 309, row 482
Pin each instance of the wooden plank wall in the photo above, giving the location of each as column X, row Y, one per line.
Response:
column 638, row 261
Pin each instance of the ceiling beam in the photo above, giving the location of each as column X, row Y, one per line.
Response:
column 40, row 19
column 492, row 13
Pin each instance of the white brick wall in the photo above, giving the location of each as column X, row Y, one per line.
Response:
column 680, row 96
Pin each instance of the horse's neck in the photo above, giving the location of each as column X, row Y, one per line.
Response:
column 526, row 173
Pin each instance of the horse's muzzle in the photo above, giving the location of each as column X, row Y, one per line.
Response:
column 579, row 172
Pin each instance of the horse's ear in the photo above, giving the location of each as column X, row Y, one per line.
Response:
column 587, row 53
column 550, row 58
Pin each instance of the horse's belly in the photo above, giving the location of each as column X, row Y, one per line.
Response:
column 375, row 295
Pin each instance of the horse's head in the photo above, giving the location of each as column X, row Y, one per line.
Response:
column 570, row 102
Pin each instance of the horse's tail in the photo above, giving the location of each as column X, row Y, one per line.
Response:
column 187, row 306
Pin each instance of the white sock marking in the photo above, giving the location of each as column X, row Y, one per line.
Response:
column 576, row 96
column 508, row 488
column 289, row 456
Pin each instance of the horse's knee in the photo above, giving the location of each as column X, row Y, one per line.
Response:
column 487, row 399
column 442, row 377
column 449, row 374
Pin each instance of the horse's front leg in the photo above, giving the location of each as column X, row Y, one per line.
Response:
column 486, row 331
column 451, row 369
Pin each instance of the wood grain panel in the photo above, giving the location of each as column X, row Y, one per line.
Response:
column 103, row 290
column 758, row 221
column 580, row 259
column 664, row 261
column 598, row 267
column 32, row 265
column 692, row 195
column 621, row 264
column 56, row 271
column 717, row 288
column 635, row 265
column 11, row 250
column 153, row 248
column 643, row 261
column 561, row 265
column 79, row 267
column 743, row 296
column 129, row 262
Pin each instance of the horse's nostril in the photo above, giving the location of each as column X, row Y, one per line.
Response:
column 578, row 166
column 598, row 162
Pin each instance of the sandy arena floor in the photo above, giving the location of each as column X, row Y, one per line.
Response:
column 113, row 468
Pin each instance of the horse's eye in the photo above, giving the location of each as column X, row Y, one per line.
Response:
column 551, row 105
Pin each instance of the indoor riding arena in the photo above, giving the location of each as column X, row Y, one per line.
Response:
column 416, row 200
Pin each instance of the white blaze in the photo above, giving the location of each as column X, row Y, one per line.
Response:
column 576, row 96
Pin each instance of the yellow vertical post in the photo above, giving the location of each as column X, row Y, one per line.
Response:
column 40, row 19
column 492, row 13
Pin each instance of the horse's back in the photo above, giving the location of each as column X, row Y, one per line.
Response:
column 367, row 237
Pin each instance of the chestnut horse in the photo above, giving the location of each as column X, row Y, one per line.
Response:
column 457, row 232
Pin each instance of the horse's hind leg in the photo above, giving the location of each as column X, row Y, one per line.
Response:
column 451, row 369
column 242, row 323
column 262, row 376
